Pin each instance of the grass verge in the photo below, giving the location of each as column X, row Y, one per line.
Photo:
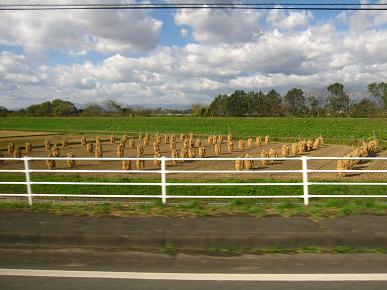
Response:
column 318, row 210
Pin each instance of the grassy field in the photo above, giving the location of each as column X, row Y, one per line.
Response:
column 178, row 190
column 331, row 128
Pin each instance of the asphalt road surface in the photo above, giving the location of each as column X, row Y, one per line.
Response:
column 42, row 269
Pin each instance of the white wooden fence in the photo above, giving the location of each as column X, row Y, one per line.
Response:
column 164, row 184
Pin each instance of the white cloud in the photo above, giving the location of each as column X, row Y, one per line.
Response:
column 220, row 25
column 223, row 59
column 79, row 32
column 184, row 33
column 289, row 20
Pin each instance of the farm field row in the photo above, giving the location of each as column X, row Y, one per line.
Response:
column 334, row 130
column 110, row 150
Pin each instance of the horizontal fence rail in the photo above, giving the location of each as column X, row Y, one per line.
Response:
column 305, row 183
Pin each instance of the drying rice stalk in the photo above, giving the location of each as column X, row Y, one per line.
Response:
column 146, row 139
column 191, row 152
column 238, row 164
column 174, row 155
column 218, row 149
column 294, row 148
column 258, row 141
column 11, row 147
column 241, row 145
column 219, row 139
column 28, row 147
column 97, row 139
column 83, row 141
column 47, row 144
column 309, row 145
column 301, row 146
column 172, row 145
column 120, row 151
column 89, row 147
column 140, row 136
column 17, row 152
column 191, row 143
column 230, row 146
column 214, row 139
column 202, row 152
column 250, row 142
column 132, row 143
column 98, row 145
column 156, row 147
column 70, row 162
column 248, row 164
column 140, row 149
column 140, row 163
column 316, row 143
column 264, row 154
column 198, row 142
column 55, row 151
column 182, row 137
column 51, row 164
column 209, row 140
column 172, row 139
column 267, row 140
column 229, row 137
column 184, row 153
column 341, row 166
column 64, row 143
column 157, row 162
column 166, row 139
column 126, row 164
column 112, row 139
column 98, row 153
column 185, row 144
column 273, row 153
column 285, row 150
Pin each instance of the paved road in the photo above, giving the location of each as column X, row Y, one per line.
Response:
column 16, row 283
column 205, row 232
column 186, row 267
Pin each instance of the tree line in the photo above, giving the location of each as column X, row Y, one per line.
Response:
column 108, row 108
column 333, row 101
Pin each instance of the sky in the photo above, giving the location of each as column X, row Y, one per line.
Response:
column 174, row 58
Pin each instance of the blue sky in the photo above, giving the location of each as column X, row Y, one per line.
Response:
column 175, row 58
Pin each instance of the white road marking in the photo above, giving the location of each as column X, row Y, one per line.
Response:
column 195, row 276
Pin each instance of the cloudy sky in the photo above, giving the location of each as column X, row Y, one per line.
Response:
column 174, row 58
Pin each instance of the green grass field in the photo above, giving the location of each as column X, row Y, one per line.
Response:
column 334, row 129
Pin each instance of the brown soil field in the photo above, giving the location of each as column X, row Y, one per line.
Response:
column 8, row 134
column 109, row 150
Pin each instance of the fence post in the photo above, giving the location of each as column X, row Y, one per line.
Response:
column 28, row 180
column 163, row 181
column 305, row 179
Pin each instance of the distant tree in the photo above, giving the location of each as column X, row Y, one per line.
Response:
column 295, row 102
column 339, row 103
column 237, row 104
column 40, row 110
column 218, row 106
column 3, row 111
column 255, row 103
column 198, row 110
column 62, row 108
column 365, row 108
column 93, row 109
column 111, row 108
column 272, row 104
column 379, row 91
